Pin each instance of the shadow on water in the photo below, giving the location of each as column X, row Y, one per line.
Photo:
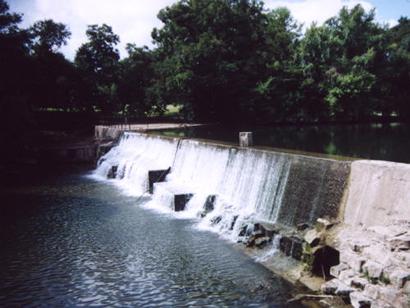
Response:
column 371, row 141
column 71, row 241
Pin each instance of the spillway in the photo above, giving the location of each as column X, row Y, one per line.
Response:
column 247, row 184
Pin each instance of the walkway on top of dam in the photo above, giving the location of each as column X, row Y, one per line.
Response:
column 150, row 126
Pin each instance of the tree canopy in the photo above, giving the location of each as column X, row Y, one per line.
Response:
column 230, row 61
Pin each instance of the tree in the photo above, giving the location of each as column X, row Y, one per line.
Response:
column 98, row 62
column 134, row 80
column 54, row 75
column 277, row 93
column 209, row 57
column 340, row 61
column 48, row 36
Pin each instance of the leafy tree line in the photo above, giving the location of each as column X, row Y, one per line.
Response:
column 219, row 60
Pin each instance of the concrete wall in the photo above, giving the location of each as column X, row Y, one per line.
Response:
column 378, row 193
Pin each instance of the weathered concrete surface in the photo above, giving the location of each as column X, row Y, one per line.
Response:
column 378, row 193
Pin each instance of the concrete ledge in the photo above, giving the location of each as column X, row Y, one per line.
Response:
column 156, row 176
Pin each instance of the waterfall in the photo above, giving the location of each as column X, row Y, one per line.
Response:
column 134, row 156
column 246, row 185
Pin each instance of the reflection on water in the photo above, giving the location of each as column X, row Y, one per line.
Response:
column 373, row 141
column 71, row 241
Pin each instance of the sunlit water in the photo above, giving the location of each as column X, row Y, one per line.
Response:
column 74, row 241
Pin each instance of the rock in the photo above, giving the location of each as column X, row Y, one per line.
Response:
column 329, row 287
column 216, row 220
column 374, row 270
column 323, row 224
column 297, row 248
column 390, row 296
column 335, row 270
column 243, row 231
column 235, row 218
column 302, row 226
column 262, row 241
column 285, row 245
column 354, row 261
column 399, row 278
column 209, row 205
column 346, row 276
column 379, row 253
column 357, row 245
column 344, row 290
column 359, row 283
column 358, row 300
column 312, row 237
column 406, row 288
column 268, row 229
column 112, row 173
column 371, row 291
column 400, row 243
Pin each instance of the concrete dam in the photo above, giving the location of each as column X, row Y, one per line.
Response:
column 343, row 223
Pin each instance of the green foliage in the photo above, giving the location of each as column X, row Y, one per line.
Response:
column 98, row 62
column 217, row 60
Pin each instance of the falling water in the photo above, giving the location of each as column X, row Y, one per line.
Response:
column 248, row 185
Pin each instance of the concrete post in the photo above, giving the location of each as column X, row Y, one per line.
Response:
column 245, row 139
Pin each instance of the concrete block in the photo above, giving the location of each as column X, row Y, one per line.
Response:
column 156, row 176
column 180, row 201
column 245, row 139
column 112, row 173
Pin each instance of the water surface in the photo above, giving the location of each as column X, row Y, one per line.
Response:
column 73, row 241
column 372, row 141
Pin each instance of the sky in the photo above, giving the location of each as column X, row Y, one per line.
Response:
column 133, row 20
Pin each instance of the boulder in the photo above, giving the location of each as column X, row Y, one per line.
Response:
column 399, row 278
column 269, row 229
column 354, row 261
column 337, row 269
column 329, row 287
column 262, row 241
column 285, row 245
column 323, row 224
column 297, row 248
column 359, row 283
column 358, row 300
column 374, row 270
column 400, row 243
column 312, row 237
column 302, row 226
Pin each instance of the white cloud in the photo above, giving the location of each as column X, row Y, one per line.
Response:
column 132, row 20
column 308, row 11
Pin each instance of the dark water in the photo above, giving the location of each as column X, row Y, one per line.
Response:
column 72, row 241
column 373, row 141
